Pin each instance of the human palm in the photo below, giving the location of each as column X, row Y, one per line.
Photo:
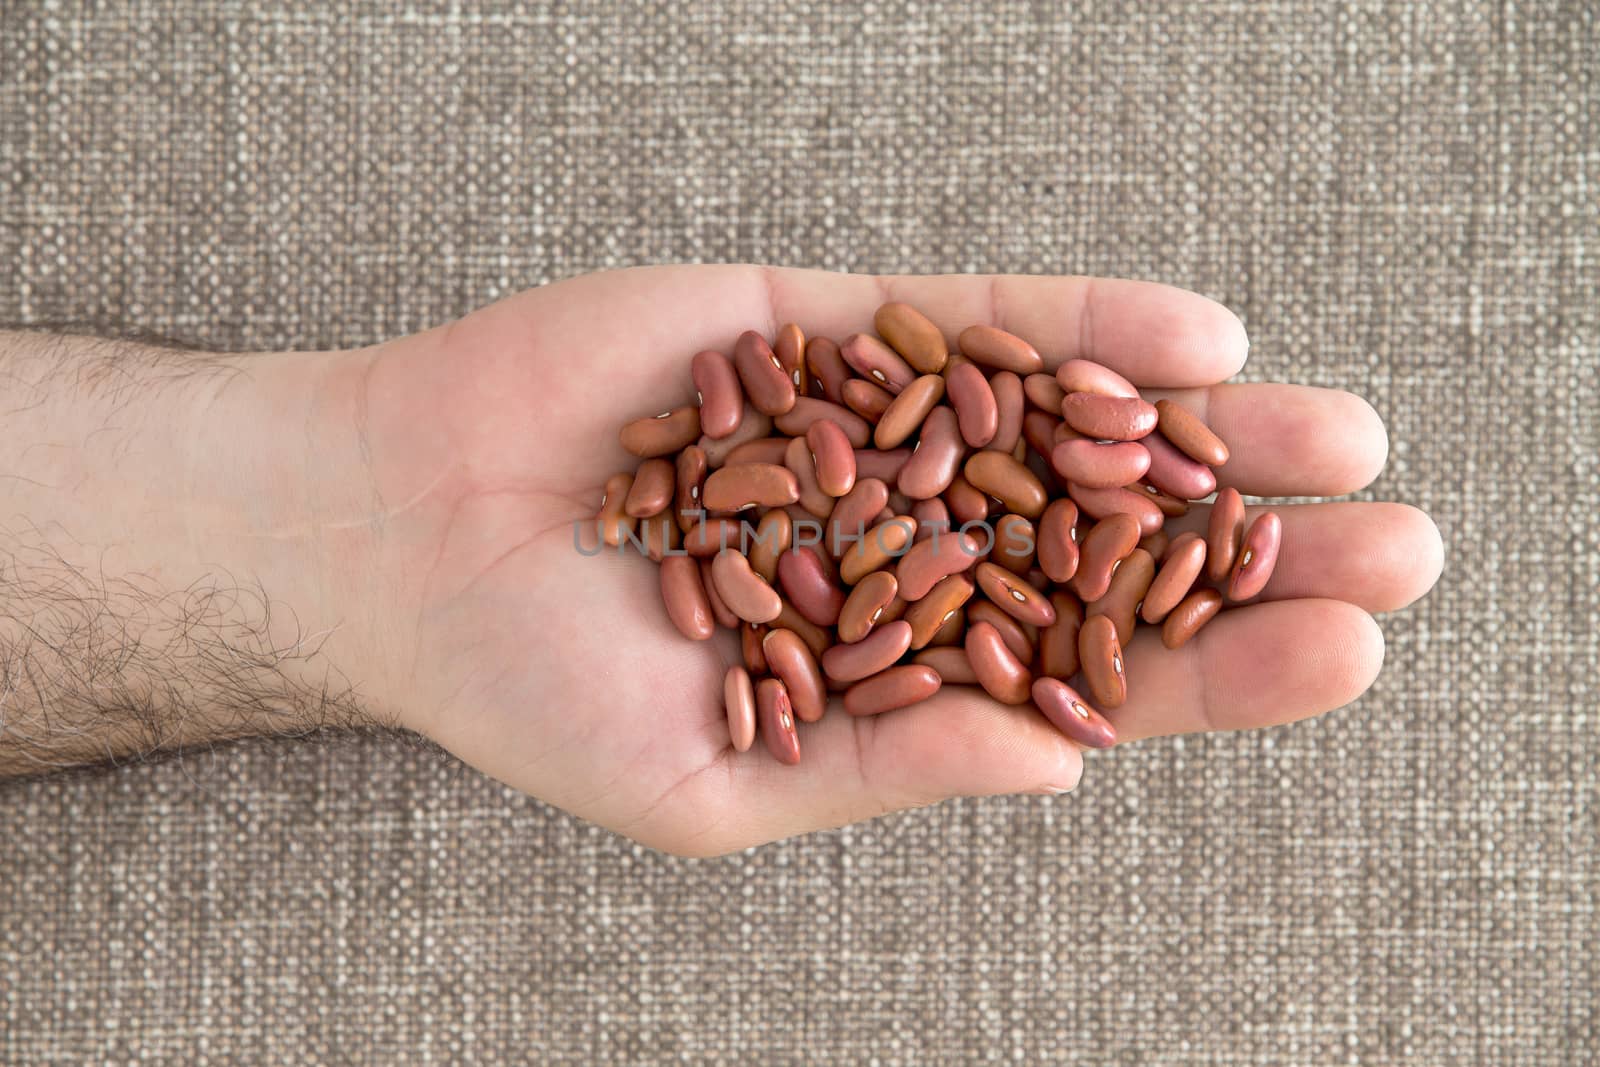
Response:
column 559, row 673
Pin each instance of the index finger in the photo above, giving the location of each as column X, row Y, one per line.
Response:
column 1153, row 334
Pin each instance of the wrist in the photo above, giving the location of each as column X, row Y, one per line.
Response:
column 182, row 532
column 290, row 499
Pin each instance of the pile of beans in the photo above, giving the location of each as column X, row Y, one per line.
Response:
column 884, row 517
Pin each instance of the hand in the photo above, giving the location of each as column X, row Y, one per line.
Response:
column 561, row 675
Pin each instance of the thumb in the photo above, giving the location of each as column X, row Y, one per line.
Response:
column 960, row 742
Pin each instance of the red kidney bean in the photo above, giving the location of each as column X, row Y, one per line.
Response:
column 1107, row 543
column 1058, row 644
column 614, row 521
column 753, row 426
column 777, row 721
column 1192, row 612
column 994, row 347
column 1043, row 392
column 790, row 348
column 807, row 410
column 1039, row 429
column 688, row 479
column 739, row 697
column 865, row 399
column 1102, row 503
column 928, row 561
column 1109, row 418
column 800, row 461
column 772, row 538
column 663, row 434
column 931, row 515
column 1156, row 544
column 913, row 335
column 1058, row 541
column 951, row 665
column 1009, row 402
column 719, row 611
column 1015, row 596
column 877, row 548
column 829, row 565
column 870, row 463
column 1224, row 534
column 1100, row 658
column 1002, row 675
column 808, row 587
column 897, row 687
column 1084, row 376
column 742, row 589
column 685, row 597
column 1175, row 578
column 767, row 450
column 720, row 395
column 951, row 633
column 965, row 503
column 1100, row 466
column 977, row 412
column 1258, row 555
column 865, row 605
column 791, row 662
column 747, row 485
column 1008, row 481
column 1166, row 503
column 750, row 637
column 1191, row 436
column 1123, row 597
column 928, row 615
column 1015, row 542
column 854, row 513
column 873, row 653
column 707, row 538
column 1015, row 634
column 1175, row 543
column 816, row 638
column 876, row 361
column 765, row 382
column 1071, row 714
column 936, row 459
column 828, row 368
column 652, row 489
column 660, row 536
column 907, row 411
column 835, row 459
column 1173, row 472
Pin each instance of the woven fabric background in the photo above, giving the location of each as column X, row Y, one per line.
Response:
column 1399, row 199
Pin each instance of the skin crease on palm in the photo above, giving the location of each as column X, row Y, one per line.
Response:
column 486, row 439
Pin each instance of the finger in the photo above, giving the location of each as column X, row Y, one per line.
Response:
column 1379, row 557
column 1290, row 440
column 1255, row 666
column 1154, row 334
column 958, row 743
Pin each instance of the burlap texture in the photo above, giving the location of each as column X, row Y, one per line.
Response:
column 1399, row 199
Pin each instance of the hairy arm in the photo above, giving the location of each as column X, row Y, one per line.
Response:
column 166, row 578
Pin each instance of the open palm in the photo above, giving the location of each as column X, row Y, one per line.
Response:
column 559, row 673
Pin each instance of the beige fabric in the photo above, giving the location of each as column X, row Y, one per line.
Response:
column 1400, row 199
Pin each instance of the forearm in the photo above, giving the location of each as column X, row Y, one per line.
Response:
column 164, row 577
